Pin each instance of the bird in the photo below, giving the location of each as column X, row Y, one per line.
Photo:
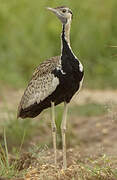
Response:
column 54, row 81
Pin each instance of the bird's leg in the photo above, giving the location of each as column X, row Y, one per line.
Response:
column 54, row 132
column 63, row 131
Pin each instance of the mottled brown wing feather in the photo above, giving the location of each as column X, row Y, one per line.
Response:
column 42, row 84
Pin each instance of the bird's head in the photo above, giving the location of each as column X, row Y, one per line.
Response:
column 63, row 13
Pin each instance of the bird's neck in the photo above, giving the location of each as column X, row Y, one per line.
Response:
column 66, row 32
column 65, row 37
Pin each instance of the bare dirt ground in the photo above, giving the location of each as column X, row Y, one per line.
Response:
column 90, row 140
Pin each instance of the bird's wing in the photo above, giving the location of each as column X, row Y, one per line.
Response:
column 42, row 84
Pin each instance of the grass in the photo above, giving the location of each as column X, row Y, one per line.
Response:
column 26, row 39
column 99, row 169
column 89, row 168
column 6, row 169
column 86, row 110
column 18, row 134
column 17, row 129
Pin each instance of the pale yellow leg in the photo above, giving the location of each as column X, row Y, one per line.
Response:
column 63, row 131
column 54, row 132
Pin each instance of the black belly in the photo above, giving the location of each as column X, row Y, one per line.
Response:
column 69, row 81
column 68, row 86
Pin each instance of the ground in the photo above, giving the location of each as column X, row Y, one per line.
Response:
column 91, row 139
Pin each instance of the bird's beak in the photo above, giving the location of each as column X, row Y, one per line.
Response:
column 52, row 9
column 57, row 13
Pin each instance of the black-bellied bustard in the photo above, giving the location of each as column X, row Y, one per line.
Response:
column 54, row 81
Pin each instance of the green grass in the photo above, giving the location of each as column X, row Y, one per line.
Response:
column 88, row 110
column 88, row 168
column 99, row 169
column 15, row 135
column 26, row 129
column 18, row 130
column 29, row 34
column 6, row 169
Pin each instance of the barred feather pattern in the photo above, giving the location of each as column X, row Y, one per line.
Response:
column 42, row 84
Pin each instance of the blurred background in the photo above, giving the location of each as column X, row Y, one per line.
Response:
column 29, row 34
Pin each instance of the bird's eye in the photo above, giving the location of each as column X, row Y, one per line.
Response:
column 64, row 10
